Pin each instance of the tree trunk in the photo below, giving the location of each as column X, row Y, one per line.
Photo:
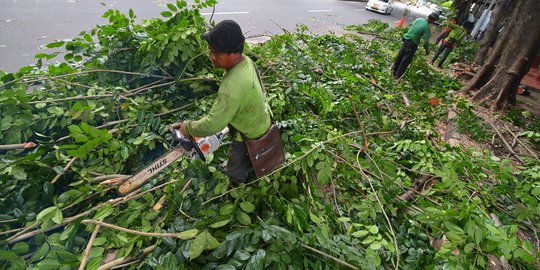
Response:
column 500, row 13
column 511, row 58
column 462, row 7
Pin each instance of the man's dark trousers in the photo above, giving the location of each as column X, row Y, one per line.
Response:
column 404, row 57
column 447, row 48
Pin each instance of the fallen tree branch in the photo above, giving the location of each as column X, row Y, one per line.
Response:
column 451, row 127
column 107, row 177
column 123, row 260
column 359, row 123
column 417, row 186
column 122, row 229
column 86, row 251
column 86, row 72
column 501, row 137
column 25, row 145
column 113, row 202
column 71, row 98
column 405, row 99
column 389, row 223
column 294, row 161
column 516, row 140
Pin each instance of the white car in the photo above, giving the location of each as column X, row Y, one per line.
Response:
column 381, row 6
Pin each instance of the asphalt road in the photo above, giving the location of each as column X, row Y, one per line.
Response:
column 27, row 25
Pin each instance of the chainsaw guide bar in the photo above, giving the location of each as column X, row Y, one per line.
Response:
column 150, row 171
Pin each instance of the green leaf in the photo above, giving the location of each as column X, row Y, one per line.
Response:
column 20, row 248
column 57, row 216
column 104, row 212
column 10, row 256
column 185, row 235
column 226, row 209
column 204, row 241
column 48, row 264
column 360, row 234
column 55, row 44
column 225, row 267
column 171, row 7
column 248, row 207
column 17, row 172
column 124, row 152
column 243, row 218
column 375, row 245
column 220, row 224
column 373, row 229
column 131, row 14
column 45, row 212
column 166, row 14
column 242, row 255
column 87, row 37
column 40, row 253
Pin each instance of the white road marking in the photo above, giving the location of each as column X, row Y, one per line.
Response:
column 226, row 13
column 319, row 10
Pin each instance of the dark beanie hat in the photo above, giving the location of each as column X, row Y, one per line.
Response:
column 226, row 37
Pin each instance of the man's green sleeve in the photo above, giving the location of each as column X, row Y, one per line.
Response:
column 221, row 113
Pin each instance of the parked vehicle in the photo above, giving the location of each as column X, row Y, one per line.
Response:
column 381, row 6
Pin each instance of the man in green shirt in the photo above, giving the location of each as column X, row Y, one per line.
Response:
column 454, row 39
column 411, row 40
column 240, row 101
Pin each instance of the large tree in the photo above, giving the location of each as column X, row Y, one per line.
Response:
column 510, row 59
column 499, row 18
column 462, row 8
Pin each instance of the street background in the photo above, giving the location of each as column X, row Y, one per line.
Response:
column 25, row 26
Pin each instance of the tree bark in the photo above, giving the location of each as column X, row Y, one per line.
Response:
column 462, row 7
column 500, row 13
column 510, row 60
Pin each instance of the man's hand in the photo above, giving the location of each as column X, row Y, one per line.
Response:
column 183, row 129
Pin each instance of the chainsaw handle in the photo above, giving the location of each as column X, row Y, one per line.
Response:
column 188, row 143
column 197, row 148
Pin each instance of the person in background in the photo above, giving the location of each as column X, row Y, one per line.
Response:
column 455, row 37
column 449, row 25
column 240, row 101
column 411, row 40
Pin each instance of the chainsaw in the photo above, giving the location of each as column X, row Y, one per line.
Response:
column 190, row 147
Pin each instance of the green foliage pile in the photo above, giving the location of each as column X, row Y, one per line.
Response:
column 344, row 198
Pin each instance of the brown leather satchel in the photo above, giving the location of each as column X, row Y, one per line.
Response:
column 266, row 153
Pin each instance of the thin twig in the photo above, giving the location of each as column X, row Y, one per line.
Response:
column 114, row 202
column 8, row 220
column 149, row 88
column 344, row 263
column 71, row 98
column 11, row 231
column 25, row 145
column 516, row 138
column 405, row 99
column 85, row 72
column 123, row 260
column 106, row 177
column 502, row 138
column 86, row 251
column 359, row 123
column 122, row 229
column 383, row 211
column 294, row 161
column 64, row 170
